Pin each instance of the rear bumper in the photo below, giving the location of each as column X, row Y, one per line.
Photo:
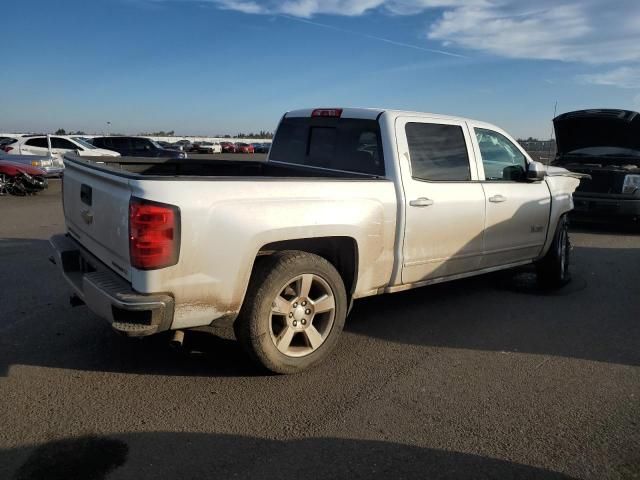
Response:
column 605, row 208
column 108, row 295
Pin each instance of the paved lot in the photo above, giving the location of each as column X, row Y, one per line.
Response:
column 485, row 378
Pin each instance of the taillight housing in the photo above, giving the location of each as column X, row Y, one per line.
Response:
column 154, row 234
column 7, row 148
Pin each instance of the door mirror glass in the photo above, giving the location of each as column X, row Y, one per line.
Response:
column 536, row 171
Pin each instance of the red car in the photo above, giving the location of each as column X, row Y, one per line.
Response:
column 228, row 147
column 244, row 148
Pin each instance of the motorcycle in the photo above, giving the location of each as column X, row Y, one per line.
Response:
column 21, row 180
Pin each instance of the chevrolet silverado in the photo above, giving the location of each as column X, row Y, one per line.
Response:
column 349, row 203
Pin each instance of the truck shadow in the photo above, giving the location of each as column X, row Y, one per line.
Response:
column 198, row 455
column 593, row 318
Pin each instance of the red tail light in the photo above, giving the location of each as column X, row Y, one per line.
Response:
column 154, row 234
column 7, row 148
column 327, row 112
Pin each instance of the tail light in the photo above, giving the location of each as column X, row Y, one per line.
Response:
column 7, row 148
column 327, row 112
column 154, row 234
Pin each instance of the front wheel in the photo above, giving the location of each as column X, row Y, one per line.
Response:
column 553, row 269
column 293, row 313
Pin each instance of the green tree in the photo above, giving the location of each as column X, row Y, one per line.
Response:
column 61, row 131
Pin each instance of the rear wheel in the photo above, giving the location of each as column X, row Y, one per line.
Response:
column 553, row 269
column 293, row 313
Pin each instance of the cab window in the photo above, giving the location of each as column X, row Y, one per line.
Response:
column 501, row 159
column 438, row 152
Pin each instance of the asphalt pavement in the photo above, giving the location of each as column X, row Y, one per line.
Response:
column 486, row 378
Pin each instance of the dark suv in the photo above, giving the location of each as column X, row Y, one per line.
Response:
column 136, row 147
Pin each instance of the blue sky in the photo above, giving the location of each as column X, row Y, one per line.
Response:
column 224, row 66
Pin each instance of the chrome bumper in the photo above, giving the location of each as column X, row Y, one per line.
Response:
column 108, row 295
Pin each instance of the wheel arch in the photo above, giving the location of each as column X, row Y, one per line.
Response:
column 340, row 251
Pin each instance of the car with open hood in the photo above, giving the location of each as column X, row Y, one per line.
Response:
column 605, row 144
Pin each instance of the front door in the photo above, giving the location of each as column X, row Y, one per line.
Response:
column 517, row 210
column 444, row 202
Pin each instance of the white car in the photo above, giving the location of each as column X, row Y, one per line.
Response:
column 60, row 145
column 208, row 147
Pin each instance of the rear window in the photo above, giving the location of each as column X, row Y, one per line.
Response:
column 348, row 144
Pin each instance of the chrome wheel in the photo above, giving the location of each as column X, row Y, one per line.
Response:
column 302, row 315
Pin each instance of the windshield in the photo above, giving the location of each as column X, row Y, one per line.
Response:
column 84, row 143
column 156, row 144
column 606, row 151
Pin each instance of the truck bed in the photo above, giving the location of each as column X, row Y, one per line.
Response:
column 158, row 168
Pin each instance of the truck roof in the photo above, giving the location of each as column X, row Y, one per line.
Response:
column 374, row 113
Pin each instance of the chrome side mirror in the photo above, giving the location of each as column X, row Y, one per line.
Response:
column 536, row 171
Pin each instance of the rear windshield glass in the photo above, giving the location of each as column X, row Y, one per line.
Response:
column 348, row 144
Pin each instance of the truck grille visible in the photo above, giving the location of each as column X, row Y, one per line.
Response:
column 602, row 181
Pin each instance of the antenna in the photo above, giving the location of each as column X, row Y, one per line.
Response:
column 555, row 110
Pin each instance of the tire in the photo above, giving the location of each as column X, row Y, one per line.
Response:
column 553, row 270
column 293, row 313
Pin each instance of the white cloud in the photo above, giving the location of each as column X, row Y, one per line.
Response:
column 585, row 31
column 623, row 77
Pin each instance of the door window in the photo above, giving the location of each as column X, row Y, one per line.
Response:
column 501, row 159
column 141, row 144
column 37, row 142
column 63, row 143
column 438, row 152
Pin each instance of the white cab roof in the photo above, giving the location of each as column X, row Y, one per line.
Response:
column 373, row 113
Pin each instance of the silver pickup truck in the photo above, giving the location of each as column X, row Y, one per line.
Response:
column 349, row 203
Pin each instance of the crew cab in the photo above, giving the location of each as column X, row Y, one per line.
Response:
column 350, row 203
column 604, row 144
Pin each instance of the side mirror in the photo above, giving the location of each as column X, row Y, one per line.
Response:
column 536, row 171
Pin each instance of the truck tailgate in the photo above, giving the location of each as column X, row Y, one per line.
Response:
column 96, row 210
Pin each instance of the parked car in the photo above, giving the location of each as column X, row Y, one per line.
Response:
column 19, row 179
column 244, row 148
column 604, row 144
column 51, row 166
column 60, row 145
column 260, row 147
column 170, row 146
column 136, row 147
column 228, row 147
column 208, row 147
column 317, row 225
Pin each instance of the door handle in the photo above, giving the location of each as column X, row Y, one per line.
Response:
column 497, row 199
column 421, row 202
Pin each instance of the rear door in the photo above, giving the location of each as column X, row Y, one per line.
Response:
column 96, row 209
column 517, row 210
column 444, row 202
column 35, row 146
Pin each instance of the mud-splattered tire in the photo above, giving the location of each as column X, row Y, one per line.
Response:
column 293, row 313
column 553, row 270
